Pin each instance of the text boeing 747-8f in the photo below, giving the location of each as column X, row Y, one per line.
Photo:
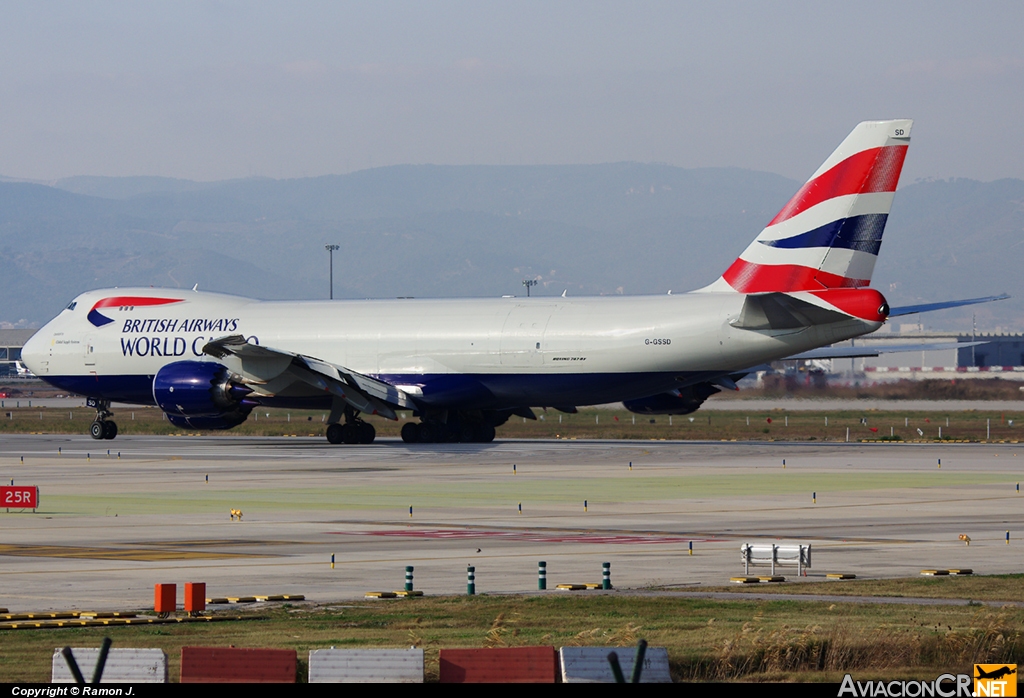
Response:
column 464, row 366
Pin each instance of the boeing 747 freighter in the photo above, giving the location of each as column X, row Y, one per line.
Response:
column 464, row 366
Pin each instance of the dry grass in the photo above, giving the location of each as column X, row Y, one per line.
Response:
column 845, row 646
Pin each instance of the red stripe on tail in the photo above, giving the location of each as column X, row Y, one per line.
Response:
column 747, row 277
column 867, row 172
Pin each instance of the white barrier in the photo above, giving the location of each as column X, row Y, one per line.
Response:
column 590, row 664
column 764, row 554
column 366, row 666
column 124, row 665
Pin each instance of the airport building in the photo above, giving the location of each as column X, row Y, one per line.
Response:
column 11, row 342
column 1001, row 356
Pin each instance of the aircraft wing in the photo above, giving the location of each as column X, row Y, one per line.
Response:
column 275, row 371
column 927, row 307
column 877, row 350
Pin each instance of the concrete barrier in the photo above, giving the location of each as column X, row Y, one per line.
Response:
column 124, row 665
column 366, row 666
column 500, row 665
column 590, row 664
column 237, row 665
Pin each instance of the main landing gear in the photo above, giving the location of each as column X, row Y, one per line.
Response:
column 102, row 427
column 353, row 431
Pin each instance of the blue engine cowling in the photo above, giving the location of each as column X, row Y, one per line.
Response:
column 200, row 395
column 680, row 401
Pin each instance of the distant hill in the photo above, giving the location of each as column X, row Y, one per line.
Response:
column 127, row 187
column 474, row 231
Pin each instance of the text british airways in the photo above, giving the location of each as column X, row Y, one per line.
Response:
column 176, row 325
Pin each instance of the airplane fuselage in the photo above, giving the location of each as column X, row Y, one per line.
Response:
column 456, row 353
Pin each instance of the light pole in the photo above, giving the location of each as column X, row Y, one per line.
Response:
column 528, row 283
column 330, row 250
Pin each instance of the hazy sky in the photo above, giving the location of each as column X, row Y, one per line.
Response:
column 213, row 90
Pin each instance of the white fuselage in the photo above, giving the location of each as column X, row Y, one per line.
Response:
column 453, row 353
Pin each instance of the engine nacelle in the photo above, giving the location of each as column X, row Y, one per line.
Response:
column 200, row 395
column 679, row 401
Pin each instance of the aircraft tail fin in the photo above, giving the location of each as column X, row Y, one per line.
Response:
column 829, row 233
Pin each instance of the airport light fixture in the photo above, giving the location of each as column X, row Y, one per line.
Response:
column 529, row 283
column 330, row 250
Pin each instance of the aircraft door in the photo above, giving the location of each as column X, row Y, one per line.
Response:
column 522, row 335
column 89, row 352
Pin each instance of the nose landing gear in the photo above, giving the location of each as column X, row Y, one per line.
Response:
column 102, row 427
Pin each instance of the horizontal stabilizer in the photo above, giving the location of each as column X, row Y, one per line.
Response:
column 859, row 352
column 928, row 307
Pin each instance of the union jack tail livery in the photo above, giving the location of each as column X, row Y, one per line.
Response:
column 828, row 235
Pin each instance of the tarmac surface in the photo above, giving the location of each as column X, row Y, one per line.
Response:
column 156, row 509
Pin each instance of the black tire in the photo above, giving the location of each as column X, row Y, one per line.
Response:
column 428, row 433
column 486, row 434
column 97, row 430
column 366, row 433
column 334, row 433
column 467, row 433
column 411, row 432
column 110, row 430
column 350, row 433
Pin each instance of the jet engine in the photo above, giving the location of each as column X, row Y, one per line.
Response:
column 201, row 395
column 678, row 401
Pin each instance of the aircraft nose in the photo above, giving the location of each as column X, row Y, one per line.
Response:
column 34, row 353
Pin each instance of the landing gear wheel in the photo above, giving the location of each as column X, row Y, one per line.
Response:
column 485, row 434
column 102, row 427
column 428, row 433
column 411, row 432
column 466, row 433
column 334, row 433
column 366, row 433
column 350, row 433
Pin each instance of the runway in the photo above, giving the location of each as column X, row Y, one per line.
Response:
column 110, row 527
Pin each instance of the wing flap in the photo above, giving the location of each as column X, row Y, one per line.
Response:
column 253, row 361
column 275, row 370
column 371, row 386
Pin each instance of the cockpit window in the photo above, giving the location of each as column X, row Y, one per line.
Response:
column 72, row 305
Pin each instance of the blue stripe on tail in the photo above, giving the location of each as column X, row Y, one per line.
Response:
column 863, row 233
